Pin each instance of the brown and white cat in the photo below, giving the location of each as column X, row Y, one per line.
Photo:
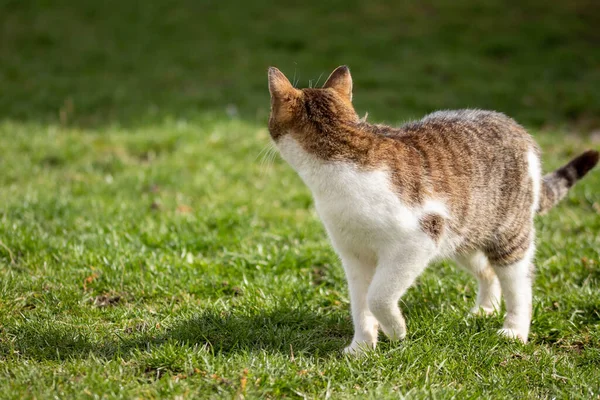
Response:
column 463, row 184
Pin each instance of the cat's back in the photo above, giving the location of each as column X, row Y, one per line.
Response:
column 467, row 115
column 482, row 163
column 470, row 126
column 470, row 147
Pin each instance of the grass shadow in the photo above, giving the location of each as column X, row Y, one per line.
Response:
column 277, row 331
column 302, row 331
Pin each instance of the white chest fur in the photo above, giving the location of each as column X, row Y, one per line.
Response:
column 360, row 209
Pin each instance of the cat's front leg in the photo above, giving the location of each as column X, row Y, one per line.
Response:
column 394, row 275
column 359, row 275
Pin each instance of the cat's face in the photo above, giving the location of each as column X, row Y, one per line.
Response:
column 305, row 112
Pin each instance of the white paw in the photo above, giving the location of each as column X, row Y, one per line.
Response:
column 482, row 311
column 399, row 333
column 512, row 334
column 357, row 348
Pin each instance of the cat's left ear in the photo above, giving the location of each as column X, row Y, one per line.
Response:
column 340, row 81
column 279, row 86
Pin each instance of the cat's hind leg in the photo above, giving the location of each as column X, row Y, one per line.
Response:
column 489, row 292
column 516, row 278
column 394, row 275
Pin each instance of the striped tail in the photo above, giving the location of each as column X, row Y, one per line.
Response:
column 555, row 185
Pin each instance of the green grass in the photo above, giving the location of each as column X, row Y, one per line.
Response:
column 146, row 251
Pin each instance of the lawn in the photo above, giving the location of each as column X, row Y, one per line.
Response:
column 151, row 246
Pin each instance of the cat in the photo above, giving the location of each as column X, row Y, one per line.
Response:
column 462, row 185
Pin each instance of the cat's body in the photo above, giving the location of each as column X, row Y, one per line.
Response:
column 458, row 184
column 423, row 177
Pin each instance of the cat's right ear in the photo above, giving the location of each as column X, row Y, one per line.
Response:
column 340, row 80
column 279, row 86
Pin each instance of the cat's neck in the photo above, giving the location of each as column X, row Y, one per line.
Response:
column 351, row 141
column 379, row 129
column 319, row 157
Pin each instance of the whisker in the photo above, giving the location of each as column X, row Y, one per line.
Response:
column 317, row 84
column 268, row 155
column 274, row 154
column 262, row 152
column 264, row 155
column 271, row 155
column 294, row 81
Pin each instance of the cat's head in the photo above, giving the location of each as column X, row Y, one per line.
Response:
column 303, row 113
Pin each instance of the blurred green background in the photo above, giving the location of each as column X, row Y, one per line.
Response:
column 130, row 62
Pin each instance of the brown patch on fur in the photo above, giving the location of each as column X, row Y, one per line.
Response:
column 474, row 161
column 432, row 225
column 486, row 274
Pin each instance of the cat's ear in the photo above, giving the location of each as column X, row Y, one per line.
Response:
column 340, row 81
column 279, row 86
